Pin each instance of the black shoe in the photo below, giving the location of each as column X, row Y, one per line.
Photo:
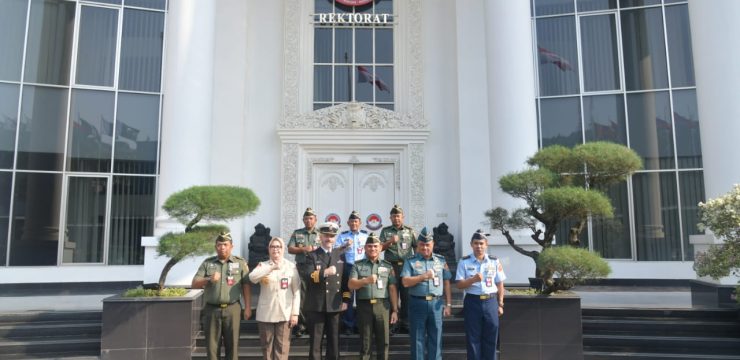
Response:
column 299, row 331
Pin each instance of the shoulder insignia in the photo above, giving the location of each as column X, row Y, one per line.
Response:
column 492, row 257
column 385, row 262
column 362, row 231
column 466, row 257
column 345, row 232
column 237, row 257
column 211, row 258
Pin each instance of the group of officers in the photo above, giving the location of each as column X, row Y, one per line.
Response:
column 409, row 289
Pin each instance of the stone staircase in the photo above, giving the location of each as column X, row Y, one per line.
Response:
column 652, row 334
column 50, row 335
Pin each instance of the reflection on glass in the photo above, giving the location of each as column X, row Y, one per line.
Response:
column 561, row 122
column 651, row 129
column 343, row 45
column 322, row 83
column 679, row 45
column 84, row 232
column 34, row 235
column 599, row 51
column 365, row 83
column 591, row 5
column 8, row 120
column 384, row 46
column 384, row 6
column 323, row 6
column 557, row 56
column 137, row 134
column 96, row 49
column 383, row 83
column 49, row 49
column 603, row 117
column 132, row 216
column 151, row 4
column 562, row 235
column 141, row 50
column 691, row 184
column 634, row 3
column 342, row 83
column 322, row 45
column 644, row 49
column 42, row 125
column 611, row 236
column 13, row 20
column 364, row 46
column 656, row 217
column 5, row 188
column 553, row 7
column 90, row 131
column 686, row 118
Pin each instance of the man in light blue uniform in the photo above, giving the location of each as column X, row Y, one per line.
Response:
column 353, row 243
column 482, row 277
column 427, row 277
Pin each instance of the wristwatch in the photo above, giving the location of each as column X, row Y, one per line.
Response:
column 449, row 305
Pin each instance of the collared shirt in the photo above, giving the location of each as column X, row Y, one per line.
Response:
column 418, row 265
column 303, row 237
column 378, row 290
column 490, row 268
column 356, row 251
column 234, row 274
column 404, row 248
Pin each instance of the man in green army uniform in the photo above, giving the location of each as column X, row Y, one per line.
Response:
column 399, row 242
column 225, row 279
column 375, row 283
column 302, row 242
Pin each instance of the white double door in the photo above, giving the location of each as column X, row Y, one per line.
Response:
column 370, row 189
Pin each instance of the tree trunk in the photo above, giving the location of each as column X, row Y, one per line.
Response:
column 165, row 271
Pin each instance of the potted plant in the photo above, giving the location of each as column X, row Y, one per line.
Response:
column 722, row 217
column 149, row 324
column 562, row 184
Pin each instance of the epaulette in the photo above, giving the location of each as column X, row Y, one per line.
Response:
column 492, row 257
column 438, row 256
column 466, row 257
column 384, row 261
column 362, row 231
column 237, row 257
column 346, row 232
column 211, row 258
column 297, row 230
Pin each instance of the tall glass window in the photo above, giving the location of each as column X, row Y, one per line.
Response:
column 80, row 100
column 353, row 61
column 622, row 71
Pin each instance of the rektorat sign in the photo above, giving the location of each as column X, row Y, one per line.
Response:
column 355, row 19
column 354, row 2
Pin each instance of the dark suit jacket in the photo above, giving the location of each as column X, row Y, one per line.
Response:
column 327, row 294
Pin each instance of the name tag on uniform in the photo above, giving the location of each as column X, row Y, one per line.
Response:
column 435, row 279
column 489, row 281
column 380, row 283
column 404, row 245
column 284, row 283
column 230, row 280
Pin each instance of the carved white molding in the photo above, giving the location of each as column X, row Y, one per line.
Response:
column 289, row 189
column 333, row 181
column 309, row 166
column 373, row 181
column 416, row 186
column 395, row 168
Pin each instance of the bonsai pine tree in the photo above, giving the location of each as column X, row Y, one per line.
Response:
column 563, row 184
column 196, row 204
column 722, row 216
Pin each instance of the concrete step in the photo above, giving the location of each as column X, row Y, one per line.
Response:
column 301, row 353
column 72, row 346
column 347, row 342
column 688, row 327
column 20, row 331
column 605, row 355
column 661, row 314
column 662, row 344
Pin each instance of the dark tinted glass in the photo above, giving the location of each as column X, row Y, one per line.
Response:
column 553, row 7
column 365, row 83
column 13, row 20
column 644, row 49
column 342, row 83
column 8, row 123
column 656, row 217
column 686, row 119
column 322, row 45
column 343, row 45
column 6, row 179
column 363, row 46
column 591, row 5
column 85, row 228
column 651, row 129
column 137, row 134
column 42, row 128
column 384, row 46
column 151, row 4
column 384, row 83
column 96, row 54
column 557, row 56
column 323, row 6
column 633, row 3
column 691, row 184
column 600, row 53
column 322, row 82
column 611, row 236
column 561, row 122
column 132, row 216
column 603, row 117
column 50, row 34
column 141, row 50
column 678, row 31
column 35, row 231
column 384, row 6
column 90, row 131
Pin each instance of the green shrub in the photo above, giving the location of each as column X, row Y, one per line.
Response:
column 571, row 265
column 167, row 292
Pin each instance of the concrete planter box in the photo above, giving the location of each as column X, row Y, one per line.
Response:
column 541, row 327
column 150, row 328
column 710, row 295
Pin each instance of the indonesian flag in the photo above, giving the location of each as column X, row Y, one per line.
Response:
column 547, row 56
column 366, row 76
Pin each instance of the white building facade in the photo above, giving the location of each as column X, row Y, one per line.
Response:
column 108, row 107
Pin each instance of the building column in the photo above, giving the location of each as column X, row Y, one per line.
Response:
column 188, row 97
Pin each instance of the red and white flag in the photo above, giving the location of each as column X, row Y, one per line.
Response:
column 366, row 76
column 547, row 56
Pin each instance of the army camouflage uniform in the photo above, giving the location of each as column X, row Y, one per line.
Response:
column 396, row 254
column 373, row 306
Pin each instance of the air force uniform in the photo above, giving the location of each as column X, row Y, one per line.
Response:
column 354, row 252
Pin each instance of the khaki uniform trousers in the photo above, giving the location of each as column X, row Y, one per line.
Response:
column 372, row 319
column 223, row 323
column 275, row 339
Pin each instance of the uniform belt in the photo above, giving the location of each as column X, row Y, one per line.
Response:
column 371, row 301
column 482, row 296
column 223, row 306
column 426, row 297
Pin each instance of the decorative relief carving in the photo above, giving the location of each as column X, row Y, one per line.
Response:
column 309, row 168
column 289, row 191
column 333, row 181
column 352, row 116
column 396, row 168
column 416, row 186
column 373, row 181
